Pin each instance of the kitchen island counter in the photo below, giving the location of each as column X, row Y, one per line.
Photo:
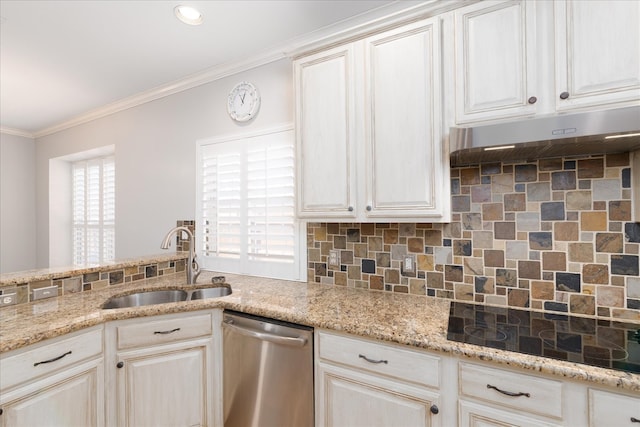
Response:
column 416, row 321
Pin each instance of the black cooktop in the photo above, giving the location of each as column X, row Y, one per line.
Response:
column 604, row 343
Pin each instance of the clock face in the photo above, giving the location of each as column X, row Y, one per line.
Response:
column 244, row 102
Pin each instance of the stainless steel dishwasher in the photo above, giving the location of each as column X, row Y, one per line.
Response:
column 268, row 372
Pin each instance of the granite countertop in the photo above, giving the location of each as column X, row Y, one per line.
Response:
column 416, row 321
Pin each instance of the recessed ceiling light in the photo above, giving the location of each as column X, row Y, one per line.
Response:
column 188, row 15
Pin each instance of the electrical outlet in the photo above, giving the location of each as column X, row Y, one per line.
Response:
column 409, row 264
column 334, row 258
column 8, row 299
column 42, row 293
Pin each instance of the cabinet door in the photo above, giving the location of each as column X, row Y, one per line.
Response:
column 597, row 44
column 407, row 170
column 495, row 55
column 351, row 399
column 163, row 388
column 325, row 134
column 68, row 399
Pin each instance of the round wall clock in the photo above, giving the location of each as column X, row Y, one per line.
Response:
column 244, row 102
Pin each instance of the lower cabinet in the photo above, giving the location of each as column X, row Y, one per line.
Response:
column 613, row 410
column 162, row 371
column 72, row 398
column 364, row 383
column 474, row 414
column 58, row 382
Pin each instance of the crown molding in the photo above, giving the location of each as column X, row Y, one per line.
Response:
column 17, row 132
column 386, row 16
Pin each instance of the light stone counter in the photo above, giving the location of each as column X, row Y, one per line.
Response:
column 398, row 318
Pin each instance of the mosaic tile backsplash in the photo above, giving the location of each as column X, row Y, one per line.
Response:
column 553, row 235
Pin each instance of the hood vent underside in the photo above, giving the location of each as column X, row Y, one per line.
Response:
column 598, row 132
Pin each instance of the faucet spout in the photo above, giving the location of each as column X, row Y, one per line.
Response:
column 193, row 270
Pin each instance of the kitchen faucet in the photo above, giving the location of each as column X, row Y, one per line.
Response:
column 193, row 269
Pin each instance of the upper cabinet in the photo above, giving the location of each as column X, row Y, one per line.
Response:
column 369, row 129
column 495, row 67
column 597, row 45
column 522, row 58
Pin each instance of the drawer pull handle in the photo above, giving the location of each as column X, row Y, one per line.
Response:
column 52, row 360
column 635, row 420
column 507, row 393
column 362, row 356
column 166, row 332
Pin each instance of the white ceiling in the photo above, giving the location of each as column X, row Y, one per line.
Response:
column 60, row 60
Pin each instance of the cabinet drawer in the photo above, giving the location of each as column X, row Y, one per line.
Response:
column 412, row 366
column 532, row 394
column 164, row 330
column 612, row 410
column 23, row 366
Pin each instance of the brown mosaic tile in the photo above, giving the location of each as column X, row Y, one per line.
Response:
column 493, row 258
column 515, row 202
column 481, row 193
column 505, row 230
column 550, row 164
column 609, row 242
column 376, row 282
column 620, row 210
column 566, row 231
column 617, row 159
column 340, row 278
column 582, row 304
column 518, row 298
column 581, row 252
column 390, row 236
column 554, row 261
column 593, row 221
column 415, row 244
column 391, row 276
column 591, row 168
column 492, row 212
column 543, row 290
column 470, row 176
column 595, row 273
column 529, row 269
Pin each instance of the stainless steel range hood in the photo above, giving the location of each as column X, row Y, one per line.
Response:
column 559, row 135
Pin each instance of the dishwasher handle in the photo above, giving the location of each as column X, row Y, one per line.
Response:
column 276, row 339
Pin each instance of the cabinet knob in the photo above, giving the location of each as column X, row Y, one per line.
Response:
column 564, row 95
column 120, row 365
column 434, row 409
column 368, row 208
column 532, row 100
column 1, row 411
column 350, row 208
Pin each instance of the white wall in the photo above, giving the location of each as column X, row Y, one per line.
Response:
column 155, row 154
column 17, row 203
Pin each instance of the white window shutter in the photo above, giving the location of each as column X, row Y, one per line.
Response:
column 246, row 210
column 93, row 210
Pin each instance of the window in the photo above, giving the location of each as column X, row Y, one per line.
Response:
column 246, row 209
column 93, row 200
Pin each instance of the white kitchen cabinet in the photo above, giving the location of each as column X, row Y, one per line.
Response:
column 163, row 371
column 596, row 53
column 369, row 139
column 474, row 414
column 519, row 58
column 495, row 60
column 364, row 383
column 326, row 134
column 613, row 409
column 59, row 382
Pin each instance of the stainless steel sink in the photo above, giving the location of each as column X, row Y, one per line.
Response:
column 165, row 296
column 218, row 291
column 146, row 298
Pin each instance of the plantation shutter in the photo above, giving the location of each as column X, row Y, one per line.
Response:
column 93, row 200
column 247, row 210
